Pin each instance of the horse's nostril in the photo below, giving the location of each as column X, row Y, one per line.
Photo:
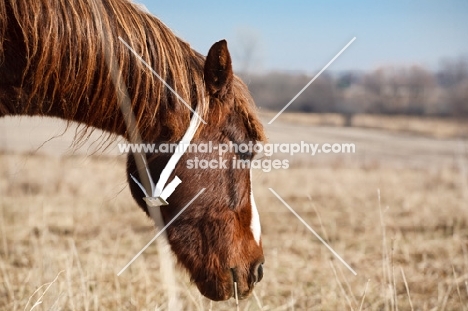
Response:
column 260, row 273
column 257, row 273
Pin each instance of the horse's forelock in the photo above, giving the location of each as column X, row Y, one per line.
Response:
column 245, row 107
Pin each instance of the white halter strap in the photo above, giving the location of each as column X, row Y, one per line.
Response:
column 160, row 192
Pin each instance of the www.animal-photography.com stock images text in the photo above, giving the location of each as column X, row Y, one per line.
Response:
column 202, row 155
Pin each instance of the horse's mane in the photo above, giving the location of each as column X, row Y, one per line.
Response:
column 65, row 43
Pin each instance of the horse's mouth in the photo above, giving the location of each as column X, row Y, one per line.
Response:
column 231, row 287
column 237, row 293
column 234, row 283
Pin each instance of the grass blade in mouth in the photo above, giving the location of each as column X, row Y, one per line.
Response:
column 234, row 281
column 235, row 294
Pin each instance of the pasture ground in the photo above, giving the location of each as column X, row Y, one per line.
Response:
column 396, row 211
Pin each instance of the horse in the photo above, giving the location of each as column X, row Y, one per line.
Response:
column 53, row 64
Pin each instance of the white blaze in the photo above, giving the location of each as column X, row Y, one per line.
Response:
column 255, row 221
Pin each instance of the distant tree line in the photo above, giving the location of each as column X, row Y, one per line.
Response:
column 411, row 90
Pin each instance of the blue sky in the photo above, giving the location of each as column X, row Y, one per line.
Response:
column 304, row 35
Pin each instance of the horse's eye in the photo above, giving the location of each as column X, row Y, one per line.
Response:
column 245, row 155
column 258, row 156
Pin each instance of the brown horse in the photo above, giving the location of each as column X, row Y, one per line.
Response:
column 53, row 63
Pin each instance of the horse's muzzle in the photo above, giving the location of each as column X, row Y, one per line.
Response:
column 232, row 283
column 244, row 285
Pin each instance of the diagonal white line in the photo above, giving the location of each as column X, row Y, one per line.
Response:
column 159, row 77
column 159, row 233
column 313, row 231
column 310, row 82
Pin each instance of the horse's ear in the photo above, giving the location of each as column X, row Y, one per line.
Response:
column 218, row 70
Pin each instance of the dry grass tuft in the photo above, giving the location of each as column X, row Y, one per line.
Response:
column 408, row 242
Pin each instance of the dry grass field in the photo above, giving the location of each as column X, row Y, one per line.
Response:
column 396, row 211
column 443, row 128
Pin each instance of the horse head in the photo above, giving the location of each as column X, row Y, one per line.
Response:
column 217, row 238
